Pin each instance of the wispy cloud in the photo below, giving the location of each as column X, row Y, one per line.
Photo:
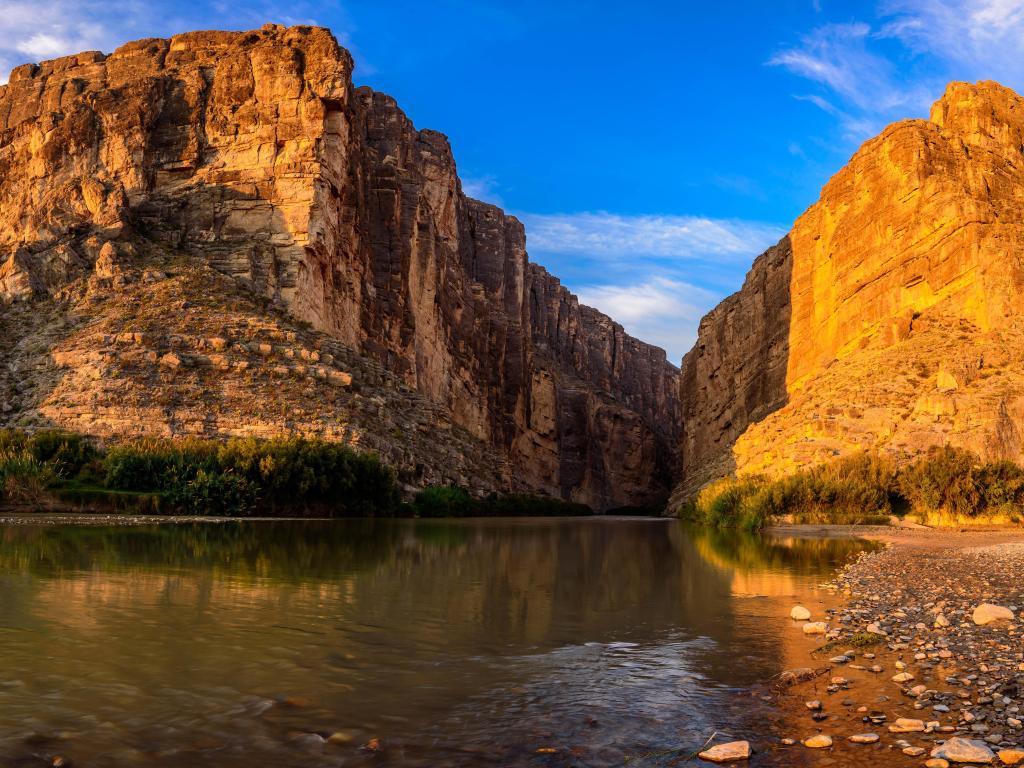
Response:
column 975, row 38
column 482, row 188
column 894, row 62
column 866, row 88
column 660, row 311
column 612, row 236
column 658, row 275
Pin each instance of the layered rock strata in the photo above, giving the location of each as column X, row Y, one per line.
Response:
column 890, row 318
column 253, row 154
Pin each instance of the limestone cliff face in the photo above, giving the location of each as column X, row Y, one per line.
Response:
column 254, row 155
column 895, row 313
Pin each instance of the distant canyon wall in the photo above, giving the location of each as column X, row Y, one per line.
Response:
column 255, row 152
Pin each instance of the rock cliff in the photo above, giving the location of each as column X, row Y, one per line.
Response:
column 219, row 234
column 889, row 319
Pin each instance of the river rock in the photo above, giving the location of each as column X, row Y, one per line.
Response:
column 819, row 741
column 1011, row 756
column 864, row 738
column 936, row 762
column 799, row 613
column 958, row 750
column 906, row 725
column 902, row 677
column 727, row 753
column 986, row 613
column 815, row 628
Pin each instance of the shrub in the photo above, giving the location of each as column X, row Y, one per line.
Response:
column 945, row 480
column 857, row 488
column 313, row 475
column 68, row 453
column 157, row 465
column 731, row 503
column 443, row 501
column 23, row 478
column 1002, row 484
column 213, row 493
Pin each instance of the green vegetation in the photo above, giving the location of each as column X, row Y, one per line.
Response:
column 946, row 486
column 239, row 477
column 290, row 476
column 450, row 501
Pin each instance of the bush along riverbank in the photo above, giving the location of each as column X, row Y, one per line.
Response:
column 239, row 477
column 946, row 487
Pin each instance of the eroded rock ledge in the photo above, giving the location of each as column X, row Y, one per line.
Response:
column 254, row 154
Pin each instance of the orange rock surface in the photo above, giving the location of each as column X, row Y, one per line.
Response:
column 896, row 303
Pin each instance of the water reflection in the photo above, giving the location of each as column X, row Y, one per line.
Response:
column 456, row 643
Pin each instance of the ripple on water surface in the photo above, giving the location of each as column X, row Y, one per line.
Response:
column 464, row 643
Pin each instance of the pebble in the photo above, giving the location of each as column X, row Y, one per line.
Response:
column 906, row 725
column 815, row 628
column 819, row 741
column 864, row 738
column 799, row 613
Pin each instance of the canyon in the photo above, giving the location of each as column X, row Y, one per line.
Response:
column 219, row 234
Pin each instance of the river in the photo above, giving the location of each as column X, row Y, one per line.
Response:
column 533, row 642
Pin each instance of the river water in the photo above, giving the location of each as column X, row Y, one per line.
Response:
column 533, row 642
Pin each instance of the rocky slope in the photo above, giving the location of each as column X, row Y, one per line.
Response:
column 219, row 234
column 889, row 319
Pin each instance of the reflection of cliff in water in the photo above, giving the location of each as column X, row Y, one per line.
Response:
column 516, row 579
column 446, row 638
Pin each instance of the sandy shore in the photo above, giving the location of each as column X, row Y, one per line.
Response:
column 924, row 660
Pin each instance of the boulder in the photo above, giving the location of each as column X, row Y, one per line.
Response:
column 986, row 613
column 959, row 750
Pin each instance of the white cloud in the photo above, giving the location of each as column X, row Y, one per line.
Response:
column 976, row 39
column 610, row 236
column 482, row 188
column 661, row 311
column 659, row 274
column 895, row 63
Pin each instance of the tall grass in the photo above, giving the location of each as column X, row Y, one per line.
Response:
column 944, row 486
column 23, row 478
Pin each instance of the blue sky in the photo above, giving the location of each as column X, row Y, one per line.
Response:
column 651, row 148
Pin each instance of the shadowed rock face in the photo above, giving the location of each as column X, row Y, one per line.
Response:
column 889, row 319
column 253, row 153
